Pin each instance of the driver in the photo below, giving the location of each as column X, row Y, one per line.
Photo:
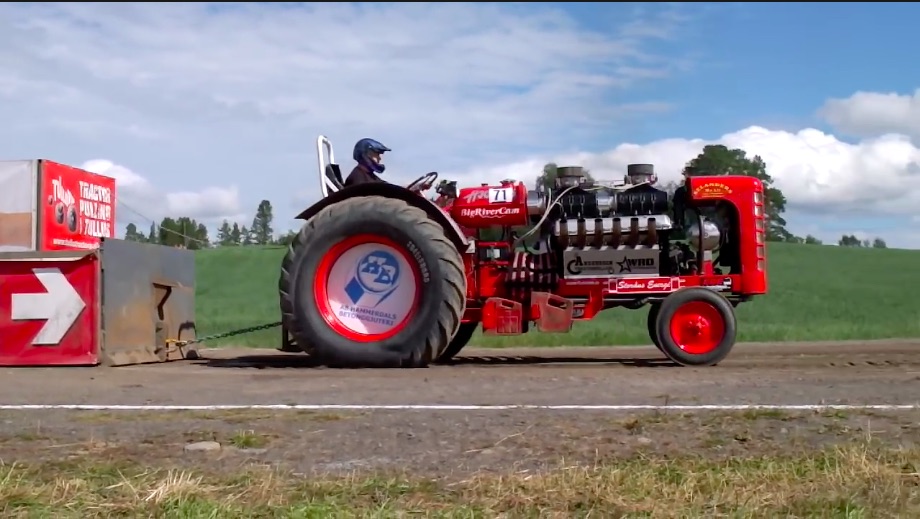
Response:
column 369, row 155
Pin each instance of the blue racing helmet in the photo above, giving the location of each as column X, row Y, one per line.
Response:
column 362, row 154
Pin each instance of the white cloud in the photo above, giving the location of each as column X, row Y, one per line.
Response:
column 415, row 68
column 140, row 201
column 816, row 171
column 866, row 114
column 239, row 91
column 822, row 177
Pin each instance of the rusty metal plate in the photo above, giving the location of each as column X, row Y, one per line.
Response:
column 148, row 299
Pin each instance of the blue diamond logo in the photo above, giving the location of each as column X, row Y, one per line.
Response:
column 354, row 290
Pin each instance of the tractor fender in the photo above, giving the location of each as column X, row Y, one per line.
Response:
column 387, row 190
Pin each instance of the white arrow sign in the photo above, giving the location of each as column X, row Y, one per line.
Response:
column 59, row 306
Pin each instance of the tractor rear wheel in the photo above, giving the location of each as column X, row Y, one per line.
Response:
column 373, row 282
column 464, row 334
column 696, row 327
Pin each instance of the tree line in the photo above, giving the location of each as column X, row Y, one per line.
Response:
column 849, row 240
column 190, row 234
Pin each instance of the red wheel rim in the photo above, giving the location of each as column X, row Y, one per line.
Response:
column 697, row 327
column 367, row 288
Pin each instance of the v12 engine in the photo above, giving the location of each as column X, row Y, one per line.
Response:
column 616, row 230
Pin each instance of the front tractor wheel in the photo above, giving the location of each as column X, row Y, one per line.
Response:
column 652, row 324
column 696, row 327
column 373, row 282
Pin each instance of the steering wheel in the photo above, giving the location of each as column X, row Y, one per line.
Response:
column 423, row 182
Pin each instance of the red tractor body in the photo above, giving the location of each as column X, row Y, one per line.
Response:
column 509, row 278
column 500, row 257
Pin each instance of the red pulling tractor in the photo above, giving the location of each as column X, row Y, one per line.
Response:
column 380, row 276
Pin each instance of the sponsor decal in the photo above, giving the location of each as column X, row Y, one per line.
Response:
column 579, row 266
column 79, row 208
column 585, row 282
column 711, row 190
column 594, row 262
column 644, row 285
column 719, row 284
column 485, row 212
column 476, row 196
column 640, row 263
column 371, row 288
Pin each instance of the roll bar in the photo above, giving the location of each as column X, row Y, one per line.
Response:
column 325, row 183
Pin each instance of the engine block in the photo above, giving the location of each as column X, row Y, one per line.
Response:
column 617, row 231
column 615, row 246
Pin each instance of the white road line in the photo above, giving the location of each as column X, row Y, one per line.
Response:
column 448, row 407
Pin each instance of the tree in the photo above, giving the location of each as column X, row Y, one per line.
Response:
column 201, row 236
column 811, row 240
column 262, row 224
column 224, row 234
column 849, row 240
column 717, row 159
column 287, row 238
column 183, row 232
column 168, row 233
column 236, row 234
column 547, row 179
column 152, row 234
column 246, row 235
column 670, row 188
column 131, row 234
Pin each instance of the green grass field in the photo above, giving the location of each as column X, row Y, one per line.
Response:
column 815, row 293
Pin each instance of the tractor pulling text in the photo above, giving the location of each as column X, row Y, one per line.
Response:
column 96, row 209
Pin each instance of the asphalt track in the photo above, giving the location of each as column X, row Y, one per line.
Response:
column 857, row 373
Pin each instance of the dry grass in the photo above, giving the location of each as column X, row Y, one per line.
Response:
column 860, row 480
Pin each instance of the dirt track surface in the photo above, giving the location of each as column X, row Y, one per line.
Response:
column 456, row 442
column 791, row 373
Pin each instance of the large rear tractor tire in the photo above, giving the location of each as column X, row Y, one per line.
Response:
column 696, row 327
column 464, row 334
column 373, row 282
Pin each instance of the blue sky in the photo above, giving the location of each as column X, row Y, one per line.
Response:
column 789, row 57
column 205, row 110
